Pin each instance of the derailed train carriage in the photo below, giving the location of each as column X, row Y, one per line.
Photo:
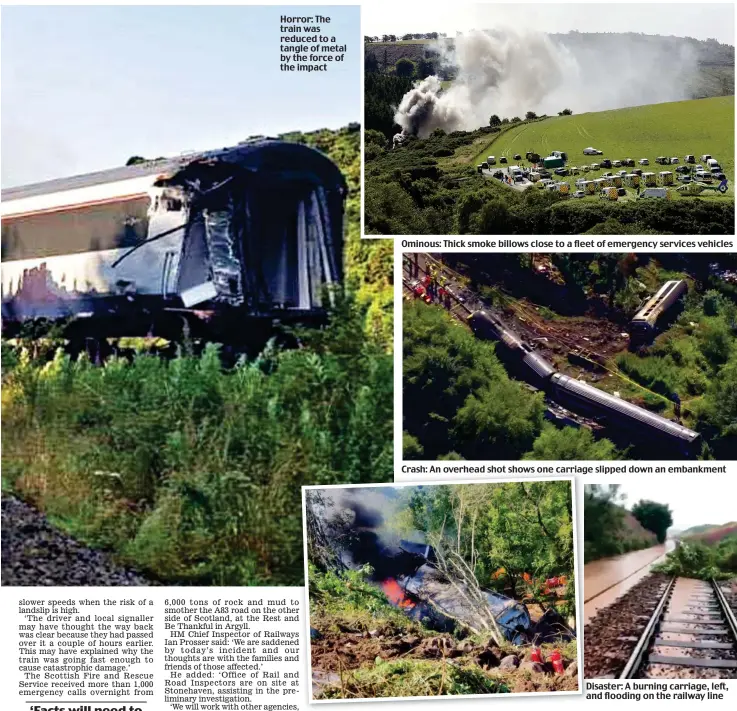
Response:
column 222, row 244
column 641, row 424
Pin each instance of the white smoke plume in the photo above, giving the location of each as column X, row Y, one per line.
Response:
column 508, row 73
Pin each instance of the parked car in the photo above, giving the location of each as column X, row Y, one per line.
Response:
column 690, row 159
column 591, row 152
column 517, row 156
column 502, row 160
column 621, row 192
column 578, row 194
column 644, row 161
column 606, row 163
column 561, row 171
column 684, row 178
column 674, row 160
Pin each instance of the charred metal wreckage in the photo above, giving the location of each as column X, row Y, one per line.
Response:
column 222, row 243
column 409, row 574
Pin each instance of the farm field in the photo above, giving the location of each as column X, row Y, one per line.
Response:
column 671, row 129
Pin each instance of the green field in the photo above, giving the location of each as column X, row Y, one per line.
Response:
column 671, row 129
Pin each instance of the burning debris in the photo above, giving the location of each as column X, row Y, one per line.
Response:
column 430, row 583
column 396, row 607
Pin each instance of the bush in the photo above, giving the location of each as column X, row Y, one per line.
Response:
column 190, row 472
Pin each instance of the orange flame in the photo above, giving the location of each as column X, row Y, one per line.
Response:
column 395, row 595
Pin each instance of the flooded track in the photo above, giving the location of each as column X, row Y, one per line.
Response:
column 607, row 579
column 665, row 628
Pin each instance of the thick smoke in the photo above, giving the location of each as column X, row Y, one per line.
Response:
column 508, row 73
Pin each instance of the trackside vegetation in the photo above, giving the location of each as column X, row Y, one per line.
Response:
column 190, row 471
column 609, row 529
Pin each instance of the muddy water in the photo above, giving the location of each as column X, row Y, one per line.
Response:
column 609, row 578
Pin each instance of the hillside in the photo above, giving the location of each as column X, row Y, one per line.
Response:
column 635, row 530
column 191, row 472
column 714, row 61
column 671, row 129
column 711, row 534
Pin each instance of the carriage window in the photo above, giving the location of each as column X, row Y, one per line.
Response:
column 87, row 228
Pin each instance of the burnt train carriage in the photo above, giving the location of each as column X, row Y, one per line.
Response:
column 229, row 239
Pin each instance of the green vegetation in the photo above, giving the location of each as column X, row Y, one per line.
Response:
column 509, row 537
column 688, row 371
column 695, row 559
column 458, row 398
column 192, row 472
column 571, row 444
column 653, row 516
column 672, row 129
column 431, row 186
column 608, row 528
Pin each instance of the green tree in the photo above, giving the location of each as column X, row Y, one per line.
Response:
column 530, row 115
column 654, row 517
column 570, row 444
column 411, row 448
column 565, row 112
column 494, row 120
column 405, row 68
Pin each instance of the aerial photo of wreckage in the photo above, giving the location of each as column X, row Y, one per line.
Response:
column 569, row 356
column 660, row 602
column 175, row 364
column 431, row 590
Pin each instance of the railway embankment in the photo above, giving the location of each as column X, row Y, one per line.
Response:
column 36, row 553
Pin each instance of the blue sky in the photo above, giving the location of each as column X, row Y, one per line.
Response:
column 84, row 88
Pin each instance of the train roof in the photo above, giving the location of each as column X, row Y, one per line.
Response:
column 662, row 293
column 589, row 392
column 262, row 154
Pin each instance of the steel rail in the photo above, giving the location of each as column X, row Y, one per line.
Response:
column 726, row 610
column 643, row 643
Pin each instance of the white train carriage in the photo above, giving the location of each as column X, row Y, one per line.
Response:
column 256, row 228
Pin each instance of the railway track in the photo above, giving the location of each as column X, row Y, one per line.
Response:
column 691, row 633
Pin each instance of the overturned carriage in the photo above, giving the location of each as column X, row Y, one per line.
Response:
column 225, row 242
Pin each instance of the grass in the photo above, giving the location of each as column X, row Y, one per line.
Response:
column 191, row 472
column 346, row 601
column 670, row 129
